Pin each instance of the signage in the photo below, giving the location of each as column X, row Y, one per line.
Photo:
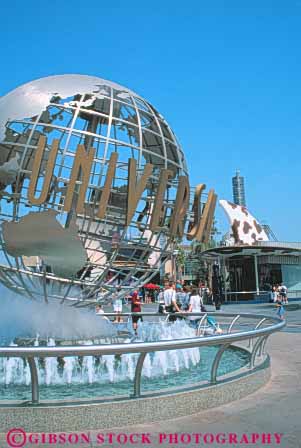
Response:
column 198, row 229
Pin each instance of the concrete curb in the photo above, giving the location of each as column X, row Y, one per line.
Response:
column 105, row 415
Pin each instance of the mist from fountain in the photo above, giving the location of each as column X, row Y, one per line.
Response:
column 20, row 318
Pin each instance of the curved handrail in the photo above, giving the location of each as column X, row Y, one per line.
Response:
column 141, row 347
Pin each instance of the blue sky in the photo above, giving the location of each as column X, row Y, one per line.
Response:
column 225, row 74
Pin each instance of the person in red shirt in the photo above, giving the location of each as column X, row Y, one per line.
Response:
column 135, row 308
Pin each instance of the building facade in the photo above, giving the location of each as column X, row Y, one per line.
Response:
column 250, row 263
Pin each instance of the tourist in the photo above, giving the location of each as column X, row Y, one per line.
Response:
column 98, row 309
column 161, row 307
column 280, row 308
column 141, row 295
column 186, row 298
column 283, row 293
column 274, row 294
column 216, row 293
column 195, row 304
column 170, row 300
column 213, row 327
column 100, row 312
column 126, row 298
column 202, row 289
column 207, row 296
column 180, row 296
column 117, row 306
column 135, row 308
column 147, row 297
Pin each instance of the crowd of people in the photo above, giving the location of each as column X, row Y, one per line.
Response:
column 279, row 292
column 177, row 298
column 171, row 299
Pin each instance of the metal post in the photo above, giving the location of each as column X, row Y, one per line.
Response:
column 233, row 322
column 201, row 323
column 137, row 379
column 256, row 274
column 257, row 326
column 216, row 362
column 257, row 344
column 262, row 346
column 34, row 381
column 260, row 323
column 225, row 279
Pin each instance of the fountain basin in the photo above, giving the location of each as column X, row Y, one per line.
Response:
column 112, row 376
column 95, row 414
column 149, row 403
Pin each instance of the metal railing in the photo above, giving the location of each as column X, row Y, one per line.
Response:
column 294, row 294
column 264, row 296
column 235, row 296
column 223, row 341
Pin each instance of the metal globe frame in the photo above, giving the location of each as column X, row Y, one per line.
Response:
column 109, row 118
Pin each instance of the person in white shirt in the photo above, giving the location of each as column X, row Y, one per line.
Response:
column 274, row 294
column 283, row 293
column 195, row 303
column 170, row 300
column 195, row 306
column 117, row 305
column 99, row 311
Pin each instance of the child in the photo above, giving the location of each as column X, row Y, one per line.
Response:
column 280, row 309
column 214, row 326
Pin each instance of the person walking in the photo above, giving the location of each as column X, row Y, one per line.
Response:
column 185, row 298
column 283, row 293
column 180, row 296
column 195, row 306
column 160, row 298
column 117, row 306
column 100, row 312
column 274, row 294
column 170, row 300
column 148, row 297
column 280, row 308
column 136, row 308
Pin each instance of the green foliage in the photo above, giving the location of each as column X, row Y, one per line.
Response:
column 180, row 257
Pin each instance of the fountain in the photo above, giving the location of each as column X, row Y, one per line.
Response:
column 106, row 375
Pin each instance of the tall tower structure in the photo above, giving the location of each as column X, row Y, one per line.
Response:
column 238, row 184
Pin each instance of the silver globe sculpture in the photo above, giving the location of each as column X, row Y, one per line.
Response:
column 47, row 253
